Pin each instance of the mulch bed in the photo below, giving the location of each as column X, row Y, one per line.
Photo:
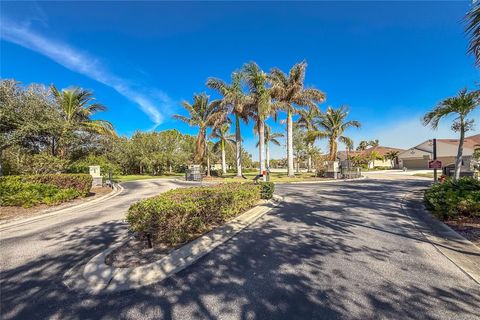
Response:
column 135, row 253
column 469, row 227
column 11, row 213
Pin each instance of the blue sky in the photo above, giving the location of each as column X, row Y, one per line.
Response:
column 389, row 62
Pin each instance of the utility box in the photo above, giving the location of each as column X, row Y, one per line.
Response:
column 96, row 175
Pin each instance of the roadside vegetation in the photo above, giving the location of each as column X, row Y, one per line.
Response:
column 49, row 189
column 181, row 215
column 453, row 199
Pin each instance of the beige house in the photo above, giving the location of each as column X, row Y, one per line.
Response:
column 418, row 156
column 379, row 150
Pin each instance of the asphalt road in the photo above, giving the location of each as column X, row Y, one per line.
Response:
column 331, row 251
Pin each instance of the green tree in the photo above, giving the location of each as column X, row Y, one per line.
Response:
column 332, row 125
column 392, row 155
column 461, row 106
column 289, row 93
column 270, row 137
column 473, row 30
column 261, row 106
column 77, row 106
column 300, row 144
column 222, row 133
column 235, row 101
column 306, row 121
column 202, row 114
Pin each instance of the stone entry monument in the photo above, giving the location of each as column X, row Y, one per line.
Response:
column 97, row 177
column 332, row 169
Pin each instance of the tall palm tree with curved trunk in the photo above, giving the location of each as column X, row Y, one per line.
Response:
column 473, row 29
column 222, row 133
column 76, row 108
column 234, row 100
column 270, row 137
column 306, row 121
column 261, row 107
column 289, row 92
column 460, row 106
column 202, row 114
column 332, row 125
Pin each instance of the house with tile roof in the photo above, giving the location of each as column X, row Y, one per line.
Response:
column 381, row 161
column 417, row 157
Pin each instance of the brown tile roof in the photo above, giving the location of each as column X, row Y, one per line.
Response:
column 469, row 142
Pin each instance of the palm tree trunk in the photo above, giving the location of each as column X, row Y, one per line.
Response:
column 333, row 149
column 290, row 172
column 309, row 161
column 200, row 146
column 224, row 163
column 238, row 146
column 267, row 155
column 261, row 146
column 458, row 162
column 208, row 158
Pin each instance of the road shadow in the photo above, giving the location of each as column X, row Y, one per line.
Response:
column 307, row 259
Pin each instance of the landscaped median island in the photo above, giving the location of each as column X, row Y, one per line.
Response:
column 167, row 221
column 457, row 203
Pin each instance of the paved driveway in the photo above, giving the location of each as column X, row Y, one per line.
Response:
column 333, row 251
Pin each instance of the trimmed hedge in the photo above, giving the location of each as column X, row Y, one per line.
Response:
column 181, row 215
column 50, row 189
column 450, row 198
column 267, row 189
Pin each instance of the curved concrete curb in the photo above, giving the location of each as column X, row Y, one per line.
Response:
column 98, row 277
column 460, row 251
column 117, row 189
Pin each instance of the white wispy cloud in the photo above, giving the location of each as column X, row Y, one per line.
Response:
column 86, row 64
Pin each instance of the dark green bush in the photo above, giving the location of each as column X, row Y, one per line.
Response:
column 80, row 182
column 267, row 189
column 216, row 172
column 181, row 215
column 47, row 189
column 450, row 198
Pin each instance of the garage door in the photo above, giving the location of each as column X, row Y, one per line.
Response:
column 415, row 164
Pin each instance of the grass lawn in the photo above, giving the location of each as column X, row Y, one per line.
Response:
column 426, row 175
column 274, row 177
column 133, row 177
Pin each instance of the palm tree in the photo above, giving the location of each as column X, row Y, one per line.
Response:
column 332, row 125
column 76, row 108
column 270, row 137
column 460, row 106
column 473, row 29
column 306, row 121
column 234, row 100
column 202, row 114
column 261, row 106
column 392, row 155
column 222, row 133
column 288, row 91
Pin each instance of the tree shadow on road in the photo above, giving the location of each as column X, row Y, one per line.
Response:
column 306, row 259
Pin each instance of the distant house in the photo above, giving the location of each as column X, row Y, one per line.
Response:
column 381, row 151
column 418, row 156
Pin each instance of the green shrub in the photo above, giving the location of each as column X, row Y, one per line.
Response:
column 49, row 189
column 181, row 215
column 216, row 172
column 267, row 189
column 450, row 198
